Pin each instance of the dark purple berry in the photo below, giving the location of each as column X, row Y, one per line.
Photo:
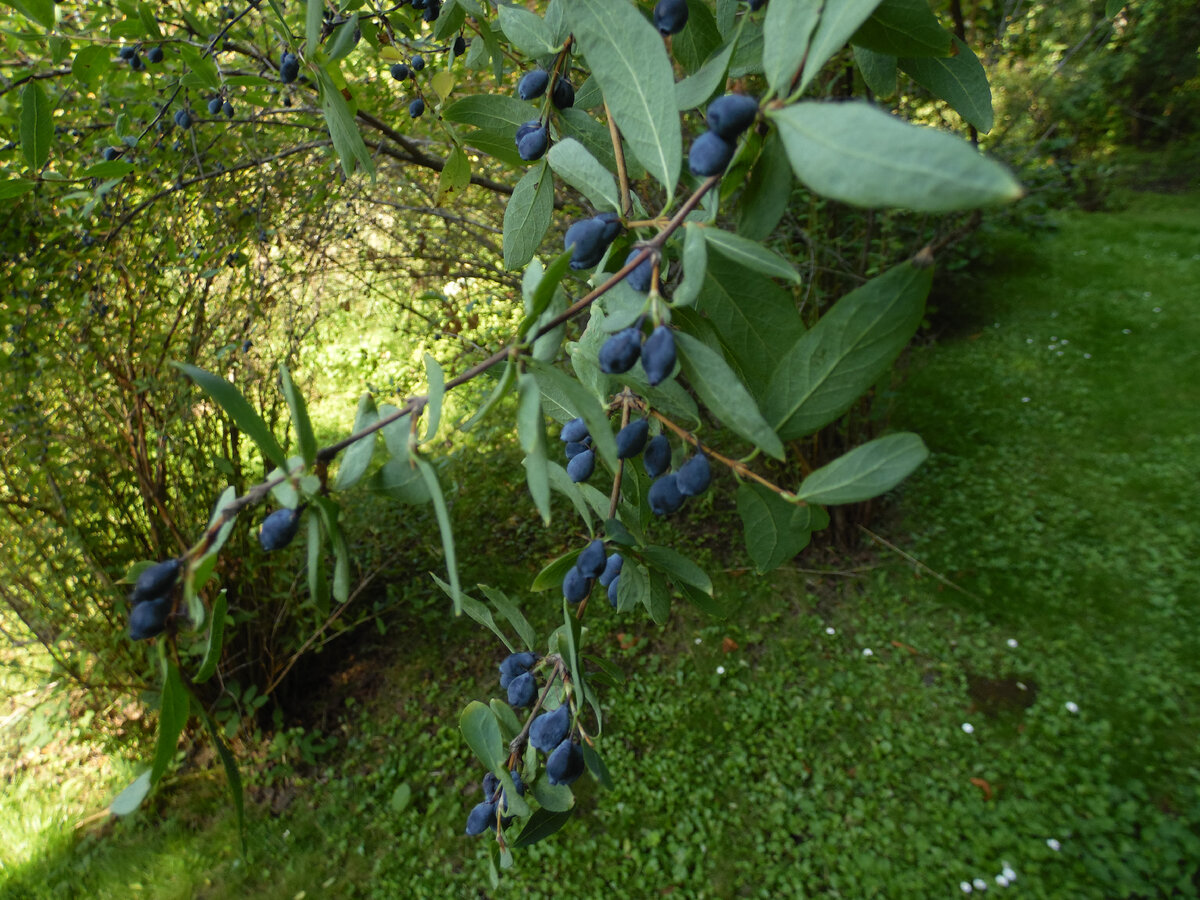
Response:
column 433, row 9
column 517, row 663
column 155, row 55
column 562, row 95
column 417, row 63
column 127, row 53
column 460, row 45
column 612, row 568
column 664, row 495
column 400, row 71
column 533, row 145
column 591, row 561
column 576, row 585
column 693, row 477
column 581, row 467
column 227, row 108
column 214, row 106
column 522, row 690
column 149, row 618
column 670, row 16
column 575, row 430
column 575, row 448
column 565, row 764
column 481, row 818
column 619, row 353
column 155, row 581
column 612, row 591
column 533, row 84
column 632, row 438
column 612, row 226
column 730, row 115
column 586, row 240
column 550, row 729
column 639, row 279
column 710, row 154
column 657, row 456
column 491, row 784
column 278, row 529
column 416, row 108
column 136, row 63
column 658, row 354
column 111, row 153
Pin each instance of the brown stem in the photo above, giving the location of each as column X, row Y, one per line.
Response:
column 622, row 171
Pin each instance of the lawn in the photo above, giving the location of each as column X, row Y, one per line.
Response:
column 1018, row 710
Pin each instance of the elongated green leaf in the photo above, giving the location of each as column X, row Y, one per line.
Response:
column 865, row 472
column 90, row 63
column 878, row 71
column 357, row 457
column 132, row 796
column 37, row 129
column 547, row 282
column 314, row 13
column 775, row 529
column 596, row 766
column 475, row 610
column 558, row 384
column 503, row 385
column 903, row 28
column 767, row 192
column 573, row 633
column 724, row 394
column 678, row 567
column 492, row 112
column 39, row 11
column 858, row 154
column 839, row 20
column 1112, row 7
column 305, row 438
column 696, row 89
column 750, row 254
column 15, row 187
column 216, row 634
column 693, row 45
column 846, row 351
column 344, row 38
column 400, row 479
column 481, row 730
column 552, row 797
column 552, row 573
column 633, row 587
column 318, row 587
column 443, row 518
column 527, row 215
column 113, row 168
column 561, row 482
column 532, row 434
column 512, row 613
column 541, row 825
column 577, row 167
column 232, row 775
column 230, row 399
column 627, row 58
column 658, row 601
column 526, row 31
column 347, row 140
column 695, row 264
column 959, row 80
column 437, row 390
column 455, row 177
column 786, row 31
column 172, row 716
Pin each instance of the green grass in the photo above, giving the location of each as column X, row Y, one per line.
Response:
column 767, row 757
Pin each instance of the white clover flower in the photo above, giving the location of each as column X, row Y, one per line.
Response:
column 1087, row 356
column 968, row 728
column 1001, row 880
column 1009, row 874
column 720, row 670
column 1012, row 642
column 867, row 651
column 830, row 630
column 980, row 884
column 1024, row 399
column 965, row 887
column 1053, row 844
column 699, row 640
column 1072, row 707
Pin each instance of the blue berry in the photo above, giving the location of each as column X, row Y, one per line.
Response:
column 517, row 663
column 533, row 84
column 581, row 467
column 416, row 108
column 575, row 448
column 481, row 818
column 658, row 354
column 563, row 94
column 155, row 581
column 641, row 277
column 575, row 430
column 183, row 119
column 591, row 561
column 576, row 585
column 155, row 55
column 418, row 63
column 278, row 529
column 522, row 690
column 657, row 456
column 619, row 353
column 565, row 764
column 693, row 476
column 550, row 729
column 710, row 154
column 670, row 16
column 533, row 144
column 612, row 569
column 632, row 438
column 612, row 591
column 400, row 71
column 664, row 495
column 730, row 115
column 149, row 618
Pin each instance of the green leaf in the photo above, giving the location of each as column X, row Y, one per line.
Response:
column 767, row 193
column 561, row 482
column 481, row 730
column 552, row 573
column 314, row 13
column 553, row 797
column 596, row 138
column 503, row 385
column 347, row 140
column 396, row 433
column 903, row 28
column 878, row 71
column 231, row 774
column 132, row 796
column 37, row 128
column 858, row 154
column 865, row 472
column 90, row 63
column 357, row 457
column 475, row 610
column 512, row 613
column 172, row 716
column 117, row 168
column 15, row 187
column 544, row 284
column 678, row 567
column 526, row 31
column 39, row 11
column 776, row 530
column 437, row 390
column 558, row 384
column 839, row 20
column 304, row 433
column 212, row 648
column 658, row 601
column 750, row 254
column 695, row 264
column 527, row 216
column 541, row 825
column 851, row 346
column 786, row 31
column 633, row 587
column 694, row 44
column 532, row 434
column 959, row 80
column 596, row 766
column 573, row 632
column 699, row 87
column 454, row 178
column 343, row 39
column 582, row 171
column 491, row 112
column 724, row 394
column 400, row 479
column 443, row 519
column 318, row 587
column 627, row 58
column 1112, row 7
column 230, row 399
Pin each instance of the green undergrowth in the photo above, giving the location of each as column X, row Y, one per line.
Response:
column 870, row 731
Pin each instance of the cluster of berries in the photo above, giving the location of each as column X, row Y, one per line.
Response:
column 516, row 678
column 430, row 9
column 151, row 599
column 219, row 104
column 727, row 118
column 590, row 567
column 551, row 733
column 130, row 55
column 668, row 491
column 488, row 814
column 404, row 71
column 657, row 352
column 533, row 137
